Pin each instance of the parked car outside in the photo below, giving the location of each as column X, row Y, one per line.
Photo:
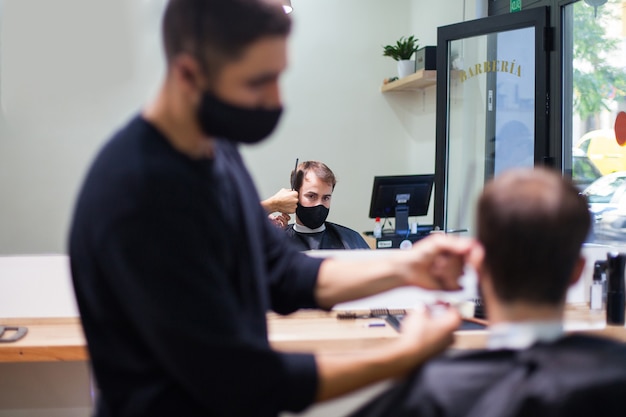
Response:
column 584, row 172
column 607, row 204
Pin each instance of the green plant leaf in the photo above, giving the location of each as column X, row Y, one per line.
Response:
column 404, row 48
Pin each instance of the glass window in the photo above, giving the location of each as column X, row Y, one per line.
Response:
column 594, row 92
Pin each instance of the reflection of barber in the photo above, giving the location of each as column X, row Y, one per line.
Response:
column 315, row 183
column 514, row 147
column 280, row 206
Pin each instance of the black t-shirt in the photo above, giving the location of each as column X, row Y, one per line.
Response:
column 175, row 265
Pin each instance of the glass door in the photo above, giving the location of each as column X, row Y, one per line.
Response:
column 491, row 107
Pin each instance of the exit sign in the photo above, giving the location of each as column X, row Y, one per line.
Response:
column 516, row 6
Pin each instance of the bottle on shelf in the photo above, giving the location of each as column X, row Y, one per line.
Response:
column 595, row 299
column 378, row 229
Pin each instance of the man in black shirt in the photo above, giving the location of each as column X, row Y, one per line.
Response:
column 175, row 264
column 315, row 183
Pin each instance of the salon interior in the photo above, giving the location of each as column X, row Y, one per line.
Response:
column 494, row 84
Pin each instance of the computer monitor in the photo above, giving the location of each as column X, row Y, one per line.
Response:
column 401, row 196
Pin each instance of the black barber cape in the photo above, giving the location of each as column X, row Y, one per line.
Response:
column 576, row 376
column 333, row 237
column 175, row 265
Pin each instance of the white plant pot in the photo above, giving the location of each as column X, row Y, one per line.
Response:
column 406, row 67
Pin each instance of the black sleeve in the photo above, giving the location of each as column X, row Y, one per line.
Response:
column 179, row 301
column 293, row 275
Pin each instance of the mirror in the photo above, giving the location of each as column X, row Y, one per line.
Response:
column 71, row 72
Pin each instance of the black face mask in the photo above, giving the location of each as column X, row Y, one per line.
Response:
column 238, row 124
column 312, row 217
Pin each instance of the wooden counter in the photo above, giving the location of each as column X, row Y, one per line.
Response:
column 50, row 339
column 325, row 333
column 47, row 340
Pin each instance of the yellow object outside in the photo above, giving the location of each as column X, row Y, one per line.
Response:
column 603, row 150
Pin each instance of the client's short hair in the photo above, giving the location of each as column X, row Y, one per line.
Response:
column 532, row 224
column 217, row 32
column 320, row 170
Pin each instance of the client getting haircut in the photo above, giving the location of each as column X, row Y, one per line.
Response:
column 532, row 224
column 319, row 168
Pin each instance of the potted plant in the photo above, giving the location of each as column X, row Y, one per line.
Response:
column 402, row 52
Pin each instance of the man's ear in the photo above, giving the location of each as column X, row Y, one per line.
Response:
column 579, row 267
column 476, row 258
column 187, row 72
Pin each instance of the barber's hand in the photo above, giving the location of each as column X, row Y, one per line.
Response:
column 424, row 335
column 436, row 262
column 284, row 201
column 280, row 220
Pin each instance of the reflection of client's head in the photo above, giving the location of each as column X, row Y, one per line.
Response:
column 315, row 183
column 532, row 224
column 514, row 147
column 514, row 132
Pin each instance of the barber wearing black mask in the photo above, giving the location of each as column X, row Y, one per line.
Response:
column 175, row 264
column 315, row 183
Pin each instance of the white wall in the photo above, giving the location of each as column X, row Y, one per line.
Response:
column 70, row 72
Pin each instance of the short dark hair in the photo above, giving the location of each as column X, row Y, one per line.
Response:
column 216, row 32
column 320, row 170
column 532, row 224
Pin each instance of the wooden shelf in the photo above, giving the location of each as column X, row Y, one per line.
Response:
column 417, row 81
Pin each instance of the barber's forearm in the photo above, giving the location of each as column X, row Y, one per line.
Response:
column 340, row 281
column 268, row 205
column 284, row 201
